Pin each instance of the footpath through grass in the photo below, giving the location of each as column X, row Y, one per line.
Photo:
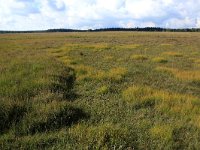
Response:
column 107, row 90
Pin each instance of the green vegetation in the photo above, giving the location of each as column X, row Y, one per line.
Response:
column 159, row 60
column 139, row 57
column 173, row 54
column 105, row 90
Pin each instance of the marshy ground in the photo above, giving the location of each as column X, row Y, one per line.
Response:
column 106, row 90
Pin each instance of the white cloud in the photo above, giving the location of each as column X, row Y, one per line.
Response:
column 181, row 23
column 198, row 23
column 83, row 14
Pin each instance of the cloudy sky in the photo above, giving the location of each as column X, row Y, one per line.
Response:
column 90, row 14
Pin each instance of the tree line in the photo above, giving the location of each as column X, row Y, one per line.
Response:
column 146, row 29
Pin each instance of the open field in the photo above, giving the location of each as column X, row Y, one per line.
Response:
column 106, row 90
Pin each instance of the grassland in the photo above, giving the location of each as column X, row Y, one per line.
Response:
column 106, row 90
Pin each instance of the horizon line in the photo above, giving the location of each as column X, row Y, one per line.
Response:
column 101, row 29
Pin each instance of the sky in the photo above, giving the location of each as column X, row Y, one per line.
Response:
column 92, row 14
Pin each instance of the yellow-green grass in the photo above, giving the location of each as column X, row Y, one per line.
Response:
column 120, row 60
column 165, row 44
column 197, row 61
column 108, row 58
column 160, row 60
column 163, row 101
column 84, row 72
column 117, row 74
column 114, row 74
column 90, row 73
column 195, row 53
column 102, row 136
column 103, row 90
column 129, row 46
column 190, row 75
column 172, row 54
column 84, row 91
column 139, row 57
column 162, row 132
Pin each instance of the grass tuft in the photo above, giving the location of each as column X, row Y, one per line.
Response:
column 103, row 136
column 174, row 103
column 163, row 132
column 139, row 57
column 160, row 60
column 173, row 54
column 117, row 74
column 103, row 90
column 114, row 74
column 189, row 75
